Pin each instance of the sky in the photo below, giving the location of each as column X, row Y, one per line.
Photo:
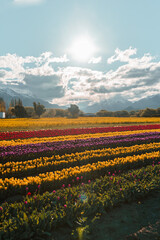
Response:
column 80, row 50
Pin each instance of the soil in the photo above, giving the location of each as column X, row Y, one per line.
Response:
column 138, row 220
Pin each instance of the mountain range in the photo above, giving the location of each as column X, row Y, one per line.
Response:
column 116, row 103
column 27, row 99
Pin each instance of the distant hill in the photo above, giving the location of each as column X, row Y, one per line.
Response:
column 116, row 103
column 7, row 94
column 148, row 102
column 112, row 104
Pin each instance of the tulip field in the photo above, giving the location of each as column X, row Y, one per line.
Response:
column 59, row 178
column 61, row 123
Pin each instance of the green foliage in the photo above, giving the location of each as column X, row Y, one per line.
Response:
column 60, row 112
column 104, row 113
column 149, row 113
column 47, row 185
column 158, row 111
column 121, row 114
column 133, row 113
column 54, row 167
column 39, row 108
column 2, row 105
column 15, row 101
column 18, row 110
column 49, row 113
column 73, row 111
column 55, row 112
column 38, row 216
column 12, row 103
column 29, row 111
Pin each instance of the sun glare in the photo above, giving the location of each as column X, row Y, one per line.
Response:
column 82, row 49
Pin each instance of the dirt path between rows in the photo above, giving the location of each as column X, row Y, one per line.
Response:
column 135, row 221
column 139, row 220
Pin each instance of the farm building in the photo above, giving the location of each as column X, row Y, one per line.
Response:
column 2, row 114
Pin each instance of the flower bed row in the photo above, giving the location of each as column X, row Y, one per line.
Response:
column 56, row 162
column 40, row 215
column 74, row 131
column 28, row 141
column 31, row 151
column 49, row 180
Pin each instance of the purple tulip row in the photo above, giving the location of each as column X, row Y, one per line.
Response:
column 30, row 151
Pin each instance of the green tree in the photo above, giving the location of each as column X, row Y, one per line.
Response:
column 29, row 111
column 19, row 111
column 122, row 113
column 104, row 113
column 158, row 112
column 17, row 108
column 60, row 112
column 39, row 108
column 12, row 103
column 2, row 105
column 73, row 111
column 19, row 102
column 15, row 101
column 148, row 112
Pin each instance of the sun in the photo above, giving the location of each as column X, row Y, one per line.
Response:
column 82, row 48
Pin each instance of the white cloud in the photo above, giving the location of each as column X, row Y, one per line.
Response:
column 44, row 70
column 15, row 67
column 48, row 56
column 139, row 77
column 95, row 60
column 62, row 59
column 27, row 2
column 136, row 78
column 122, row 56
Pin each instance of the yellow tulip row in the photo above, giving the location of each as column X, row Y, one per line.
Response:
column 69, row 137
column 72, row 172
column 74, row 157
column 48, row 123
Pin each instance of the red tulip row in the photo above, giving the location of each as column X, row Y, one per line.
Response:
column 74, row 131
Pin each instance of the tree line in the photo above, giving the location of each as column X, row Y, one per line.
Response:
column 148, row 112
column 16, row 109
